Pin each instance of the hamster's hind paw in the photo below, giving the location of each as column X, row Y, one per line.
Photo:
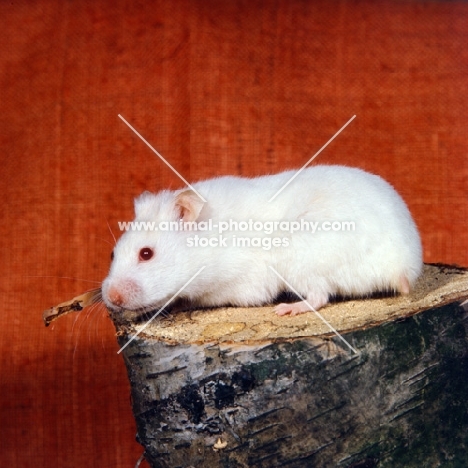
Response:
column 291, row 309
column 296, row 308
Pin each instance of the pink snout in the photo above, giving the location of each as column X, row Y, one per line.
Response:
column 124, row 294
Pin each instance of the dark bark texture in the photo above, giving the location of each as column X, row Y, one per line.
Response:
column 308, row 402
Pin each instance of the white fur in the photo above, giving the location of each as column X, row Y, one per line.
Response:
column 383, row 253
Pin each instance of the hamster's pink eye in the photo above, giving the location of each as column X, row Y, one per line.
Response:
column 146, row 254
column 112, row 256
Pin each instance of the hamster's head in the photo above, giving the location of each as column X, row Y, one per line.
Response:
column 150, row 261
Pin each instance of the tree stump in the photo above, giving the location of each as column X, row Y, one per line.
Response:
column 236, row 387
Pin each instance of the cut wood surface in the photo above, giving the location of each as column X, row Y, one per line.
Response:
column 236, row 387
column 438, row 285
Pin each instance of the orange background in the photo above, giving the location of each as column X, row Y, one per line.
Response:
column 218, row 87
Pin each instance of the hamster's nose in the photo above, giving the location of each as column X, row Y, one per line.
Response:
column 122, row 293
column 115, row 296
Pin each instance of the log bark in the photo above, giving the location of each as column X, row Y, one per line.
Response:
column 244, row 388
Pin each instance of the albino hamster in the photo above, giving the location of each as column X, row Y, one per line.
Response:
column 378, row 249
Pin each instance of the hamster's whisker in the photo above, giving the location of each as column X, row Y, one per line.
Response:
column 89, row 318
column 63, row 277
column 106, row 241
column 112, row 234
column 175, row 296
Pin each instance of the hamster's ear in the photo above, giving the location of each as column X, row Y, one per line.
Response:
column 189, row 205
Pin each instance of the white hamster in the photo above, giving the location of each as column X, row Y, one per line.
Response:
column 333, row 230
